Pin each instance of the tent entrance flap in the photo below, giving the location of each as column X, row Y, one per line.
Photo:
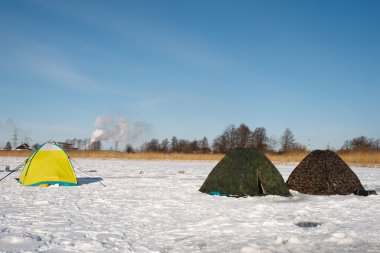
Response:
column 260, row 187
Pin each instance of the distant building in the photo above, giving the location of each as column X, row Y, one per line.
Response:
column 66, row 146
column 23, row 146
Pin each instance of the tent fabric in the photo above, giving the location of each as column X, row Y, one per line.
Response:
column 323, row 172
column 245, row 172
column 48, row 165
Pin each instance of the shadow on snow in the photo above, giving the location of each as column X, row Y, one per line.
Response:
column 88, row 180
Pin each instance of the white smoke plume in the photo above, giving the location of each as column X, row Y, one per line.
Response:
column 115, row 131
column 139, row 128
column 8, row 122
column 110, row 130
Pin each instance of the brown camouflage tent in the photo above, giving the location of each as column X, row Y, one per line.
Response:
column 323, row 172
column 245, row 172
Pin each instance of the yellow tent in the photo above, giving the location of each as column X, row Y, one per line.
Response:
column 48, row 165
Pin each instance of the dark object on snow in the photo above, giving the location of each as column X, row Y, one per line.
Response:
column 7, row 168
column 365, row 192
column 323, row 172
column 308, row 224
column 245, row 172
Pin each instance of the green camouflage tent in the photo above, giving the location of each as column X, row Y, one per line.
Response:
column 245, row 172
column 323, row 172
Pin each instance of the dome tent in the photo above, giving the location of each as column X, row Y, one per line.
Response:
column 245, row 172
column 323, row 172
column 49, row 164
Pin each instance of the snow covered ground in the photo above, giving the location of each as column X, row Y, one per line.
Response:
column 155, row 206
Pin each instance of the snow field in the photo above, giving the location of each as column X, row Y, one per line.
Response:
column 155, row 206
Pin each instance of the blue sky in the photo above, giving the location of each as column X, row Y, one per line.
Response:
column 191, row 68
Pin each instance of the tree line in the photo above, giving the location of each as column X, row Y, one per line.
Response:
column 175, row 145
column 232, row 137
column 243, row 137
column 361, row 143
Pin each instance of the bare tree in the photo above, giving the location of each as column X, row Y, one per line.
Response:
column 346, row 145
column 86, row 143
column 184, row 146
column 287, row 141
column 377, row 144
column 240, row 137
column 194, row 146
column 299, row 147
column 79, row 144
column 361, row 143
column 220, row 144
column 205, row 148
column 242, row 134
column 174, row 144
column 152, row 146
column 229, row 139
column 259, row 139
column 8, row 146
column 96, row 145
column 272, row 144
column 164, row 145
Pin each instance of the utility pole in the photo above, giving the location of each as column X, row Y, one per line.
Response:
column 15, row 138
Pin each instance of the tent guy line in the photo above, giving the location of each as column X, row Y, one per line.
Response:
column 12, row 171
column 83, row 171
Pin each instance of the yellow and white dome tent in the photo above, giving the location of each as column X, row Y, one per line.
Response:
column 49, row 164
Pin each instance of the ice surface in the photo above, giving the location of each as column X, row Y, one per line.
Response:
column 155, row 206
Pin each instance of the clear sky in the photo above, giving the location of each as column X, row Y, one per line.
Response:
column 191, row 68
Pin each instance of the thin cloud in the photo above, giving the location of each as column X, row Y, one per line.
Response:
column 50, row 64
column 66, row 77
column 139, row 129
column 148, row 33
column 52, row 128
